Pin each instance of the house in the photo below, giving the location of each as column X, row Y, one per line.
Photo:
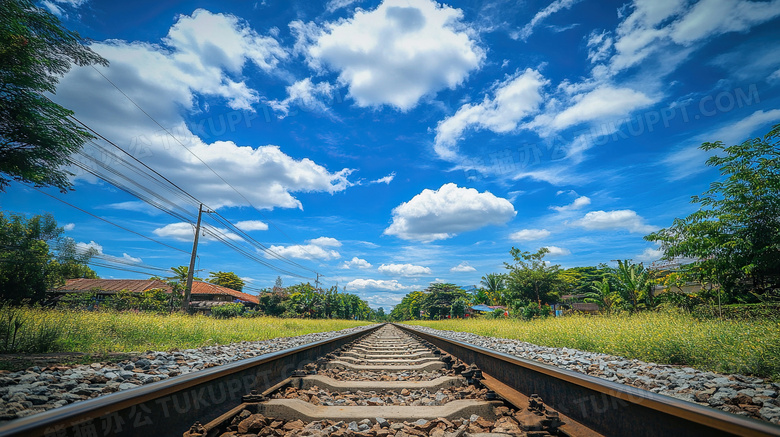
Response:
column 107, row 287
column 204, row 295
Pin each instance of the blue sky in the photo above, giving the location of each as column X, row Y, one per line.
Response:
column 387, row 145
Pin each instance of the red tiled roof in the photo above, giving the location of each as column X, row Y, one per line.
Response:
column 111, row 285
column 199, row 287
column 140, row 285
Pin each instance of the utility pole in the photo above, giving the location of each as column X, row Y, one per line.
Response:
column 185, row 304
column 317, row 281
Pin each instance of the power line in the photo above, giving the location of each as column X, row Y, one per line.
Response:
column 198, row 158
column 108, row 221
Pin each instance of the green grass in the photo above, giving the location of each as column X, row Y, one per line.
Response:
column 103, row 332
column 730, row 346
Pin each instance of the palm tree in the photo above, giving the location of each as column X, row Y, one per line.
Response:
column 634, row 283
column 601, row 294
column 494, row 284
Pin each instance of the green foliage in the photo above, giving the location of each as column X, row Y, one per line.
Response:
column 21, row 333
column 27, row 265
column 409, row 308
column 533, row 311
column 439, row 299
column 735, row 234
column 532, row 279
column 272, row 303
column 633, row 285
column 228, row 310
column 497, row 313
column 36, row 135
column 458, row 308
column 495, row 289
column 155, row 300
column 226, row 279
column 601, row 294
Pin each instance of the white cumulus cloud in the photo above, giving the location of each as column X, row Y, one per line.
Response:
column 357, row 263
column 617, row 219
column 315, row 249
column 69, row 227
column 557, row 251
column 252, row 225
column 578, row 203
column 183, row 231
column 513, row 99
column 203, row 57
column 397, row 53
column 440, row 214
column 359, row 285
column 463, row 267
column 529, row 235
column 404, row 270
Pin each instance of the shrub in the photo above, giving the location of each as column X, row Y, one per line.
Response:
column 228, row 310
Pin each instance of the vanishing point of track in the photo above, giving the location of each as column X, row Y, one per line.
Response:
column 388, row 380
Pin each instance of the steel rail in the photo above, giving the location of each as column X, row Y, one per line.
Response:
column 171, row 406
column 604, row 406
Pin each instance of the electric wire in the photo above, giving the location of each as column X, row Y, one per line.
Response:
column 108, row 221
column 198, row 158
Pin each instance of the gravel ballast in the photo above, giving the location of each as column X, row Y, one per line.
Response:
column 738, row 394
column 37, row 389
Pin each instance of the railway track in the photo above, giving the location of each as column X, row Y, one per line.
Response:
column 386, row 381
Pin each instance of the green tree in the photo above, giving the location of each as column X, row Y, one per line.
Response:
column 409, row 308
column 633, row 284
column 28, row 266
column 735, row 234
column 439, row 298
column 531, row 278
column 36, row 135
column 601, row 293
column 495, row 287
column 226, row 279
column 178, row 281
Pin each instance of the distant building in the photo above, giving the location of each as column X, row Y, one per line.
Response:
column 204, row 295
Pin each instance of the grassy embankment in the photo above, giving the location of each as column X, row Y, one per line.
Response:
column 747, row 347
column 102, row 332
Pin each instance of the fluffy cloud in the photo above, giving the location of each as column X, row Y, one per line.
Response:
column 252, row 225
column 441, row 214
column 305, row 94
column 359, row 285
column 463, row 267
column 397, row 53
column 316, row 249
column 578, row 203
column 69, row 227
column 404, row 270
column 557, row 251
column 603, row 102
column 618, row 219
column 384, row 180
column 357, row 263
column 514, row 99
column 183, row 231
column 529, row 235
column 202, row 58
